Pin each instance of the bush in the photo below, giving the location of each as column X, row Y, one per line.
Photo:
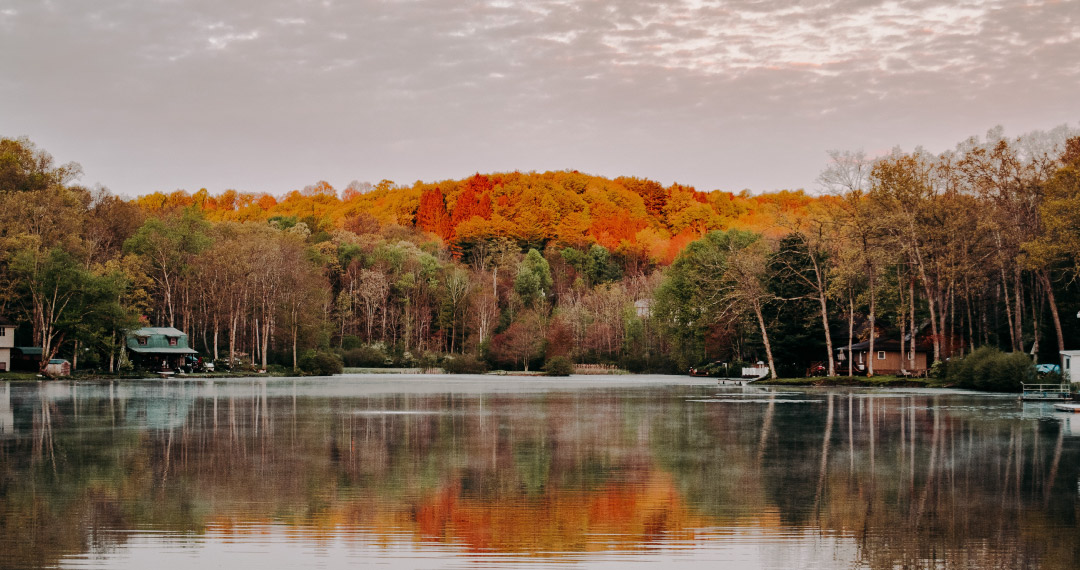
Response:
column 559, row 366
column 464, row 364
column 425, row 360
column 320, row 363
column 366, row 356
column 1052, row 378
column 991, row 369
column 350, row 342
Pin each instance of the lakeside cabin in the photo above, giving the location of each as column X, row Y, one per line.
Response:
column 7, row 343
column 159, row 348
column 887, row 358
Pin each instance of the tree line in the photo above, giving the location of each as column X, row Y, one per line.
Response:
column 968, row 248
column 972, row 247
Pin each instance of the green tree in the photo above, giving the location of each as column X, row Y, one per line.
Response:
column 533, row 282
column 721, row 278
column 66, row 300
column 168, row 246
column 26, row 168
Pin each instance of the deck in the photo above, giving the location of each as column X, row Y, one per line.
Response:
column 1054, row 392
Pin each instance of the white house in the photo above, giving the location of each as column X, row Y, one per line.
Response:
column 7, row 342
column 1068, row 357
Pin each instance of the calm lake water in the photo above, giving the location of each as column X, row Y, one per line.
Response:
column 402, row 471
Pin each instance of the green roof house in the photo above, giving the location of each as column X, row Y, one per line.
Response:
column 159, row 348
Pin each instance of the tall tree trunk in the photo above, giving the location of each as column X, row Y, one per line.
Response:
column 903, row 321
column 295, row 333
column 765, row 337
column 970, row 319
column 873, row 327
column 265, row 340
column 1008, row 310
column 933, row 294
column 1045, row 278
column 1038, row 304
column 828, row 335
column 914, row 326
column 850, row 332
column 233, row 318
column 254, row 341
column 1018, row 289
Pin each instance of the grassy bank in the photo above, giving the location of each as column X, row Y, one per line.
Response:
column 105, row 377
column 871, row 382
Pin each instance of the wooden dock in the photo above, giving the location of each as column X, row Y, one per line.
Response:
column 1047, row 392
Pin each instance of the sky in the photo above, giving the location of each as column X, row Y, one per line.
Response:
column 274, row 95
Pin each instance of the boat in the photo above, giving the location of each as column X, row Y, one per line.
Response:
column 1073, row 408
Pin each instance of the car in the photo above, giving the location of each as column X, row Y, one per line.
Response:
column 1048, row 368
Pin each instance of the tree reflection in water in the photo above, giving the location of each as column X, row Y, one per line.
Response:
column 915, row 480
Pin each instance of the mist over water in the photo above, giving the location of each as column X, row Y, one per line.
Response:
column 463, row 472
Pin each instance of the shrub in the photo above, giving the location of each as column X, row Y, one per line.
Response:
column 1051, row 378
column 425, row 360
column 464, row 364
column 559, row 366
column 364, row 356
column 350, row 342
column 635, row 364
column 320, row 363
column 990, row 369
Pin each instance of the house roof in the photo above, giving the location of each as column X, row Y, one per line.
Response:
column 162, row 349
column 157, row 341
column 883, row 344
column 151, row 331
column 29, row 350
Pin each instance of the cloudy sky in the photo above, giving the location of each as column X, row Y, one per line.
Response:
column 273, row 95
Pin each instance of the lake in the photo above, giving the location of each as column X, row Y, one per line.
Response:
column 398, row 471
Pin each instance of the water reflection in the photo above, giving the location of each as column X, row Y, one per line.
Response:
column 467, row 472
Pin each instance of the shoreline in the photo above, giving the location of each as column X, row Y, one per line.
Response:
column 814, row 381
column 854, row 381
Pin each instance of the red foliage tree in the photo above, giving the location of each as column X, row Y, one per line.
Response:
column 431, row 216
column 465, row 206
column 560, row 339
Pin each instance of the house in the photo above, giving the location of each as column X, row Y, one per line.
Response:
column 1068, row 357
column 7, row 343
column 158, row 348
column 887, row 357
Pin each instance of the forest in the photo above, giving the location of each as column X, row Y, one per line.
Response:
column 978, row 246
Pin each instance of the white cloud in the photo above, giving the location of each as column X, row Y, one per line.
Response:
column 691, row 89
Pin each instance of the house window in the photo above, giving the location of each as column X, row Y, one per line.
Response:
column 172, row 341
column 3, row 331
column 881, row 355
column 142, row 341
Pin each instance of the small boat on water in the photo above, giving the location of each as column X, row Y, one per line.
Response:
column 1072, row 408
